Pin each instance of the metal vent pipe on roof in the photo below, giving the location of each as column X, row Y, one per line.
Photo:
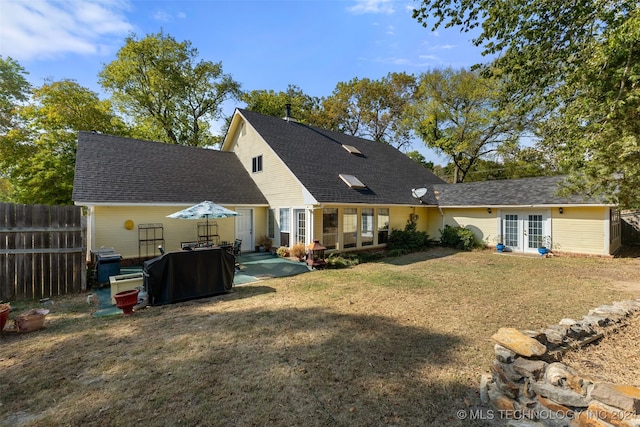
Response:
column 287, row 111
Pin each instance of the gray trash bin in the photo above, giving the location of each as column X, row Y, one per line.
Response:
column 107, row 264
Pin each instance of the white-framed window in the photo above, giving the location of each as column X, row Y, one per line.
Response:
column 330, row 228
column 256, row 164
column 271, row 223
column 614, row 224
column 383, row 225
column 350, row 228
column 366, row 226
column 285, row 226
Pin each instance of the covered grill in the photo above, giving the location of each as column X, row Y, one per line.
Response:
column 184, row 275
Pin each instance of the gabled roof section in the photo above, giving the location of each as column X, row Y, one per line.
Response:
column 538, row 191
column 317, row 158
column 112, row 169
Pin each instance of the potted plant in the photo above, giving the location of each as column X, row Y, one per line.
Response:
column 499, row 243
column 282, row 252
column 545, row 245
column 4, row 315
column 264, row 243
column 298, row 250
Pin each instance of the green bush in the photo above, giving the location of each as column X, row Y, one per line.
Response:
column 341, row 261
column 408, row 240
column 459, row 238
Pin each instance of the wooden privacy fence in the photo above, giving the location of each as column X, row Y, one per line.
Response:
column 41, row 251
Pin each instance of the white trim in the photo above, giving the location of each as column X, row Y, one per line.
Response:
column 607, row 231
column 557, row 205
column 90, row 204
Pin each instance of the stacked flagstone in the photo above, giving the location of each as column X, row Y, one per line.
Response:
column 529, row 385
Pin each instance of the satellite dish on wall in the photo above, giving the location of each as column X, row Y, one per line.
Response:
column 418, row 193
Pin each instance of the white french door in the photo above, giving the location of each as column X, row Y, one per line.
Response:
column 244, row 228
column 524, row 231
column 300, row 225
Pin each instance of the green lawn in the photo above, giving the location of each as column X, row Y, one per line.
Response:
column 398, row 342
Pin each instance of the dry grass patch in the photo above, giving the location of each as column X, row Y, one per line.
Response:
column 613, row 359
column 399, row 342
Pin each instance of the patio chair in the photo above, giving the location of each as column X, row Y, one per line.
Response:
column 235, row 250
column 237, row 244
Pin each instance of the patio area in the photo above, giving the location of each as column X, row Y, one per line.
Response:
column 254, row 266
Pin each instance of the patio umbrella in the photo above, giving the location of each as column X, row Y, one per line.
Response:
column 204, row 210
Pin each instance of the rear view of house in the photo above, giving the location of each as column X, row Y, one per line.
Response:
column 297, row 183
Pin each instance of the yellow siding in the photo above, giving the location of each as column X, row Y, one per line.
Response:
column 275, row 181
column 581, row 230
column 316, row 233
column 110, row 229
column 260, row 222
column 484, row 225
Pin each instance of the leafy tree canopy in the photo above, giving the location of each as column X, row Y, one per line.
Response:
column 166, row 92
column 14, row 89
column 417, row 157
column 274, row 103
column 579, row 64
column 40, row 155
column 373, row 109
column 460, row 114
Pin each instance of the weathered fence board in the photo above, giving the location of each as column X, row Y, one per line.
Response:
column 41, row 251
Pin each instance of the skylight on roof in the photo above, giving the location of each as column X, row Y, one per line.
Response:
column 352, row 181
column 351, row 149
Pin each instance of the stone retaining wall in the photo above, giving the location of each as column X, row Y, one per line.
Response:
column 530, row 385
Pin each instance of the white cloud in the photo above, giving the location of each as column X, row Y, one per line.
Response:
column 372, row 6
column 430, row 58
column 40, row 29
column 162, row 16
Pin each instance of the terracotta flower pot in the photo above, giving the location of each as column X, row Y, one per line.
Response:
column 4, row 315
column 125, row 301
column 30, row 321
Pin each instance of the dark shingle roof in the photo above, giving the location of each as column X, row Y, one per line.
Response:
column 111, row 169
column 316, row 157
column 511, row 192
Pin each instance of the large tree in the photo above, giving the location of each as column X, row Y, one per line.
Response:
column 14, row 90
column 577, row 61
column 460, row 113
column 274, row 103
column 168, row 94
column 373, row 109
column 39, row 156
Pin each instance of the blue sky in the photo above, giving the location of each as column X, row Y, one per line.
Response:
column 263, row 44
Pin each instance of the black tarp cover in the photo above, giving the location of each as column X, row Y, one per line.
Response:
column 185, row 275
